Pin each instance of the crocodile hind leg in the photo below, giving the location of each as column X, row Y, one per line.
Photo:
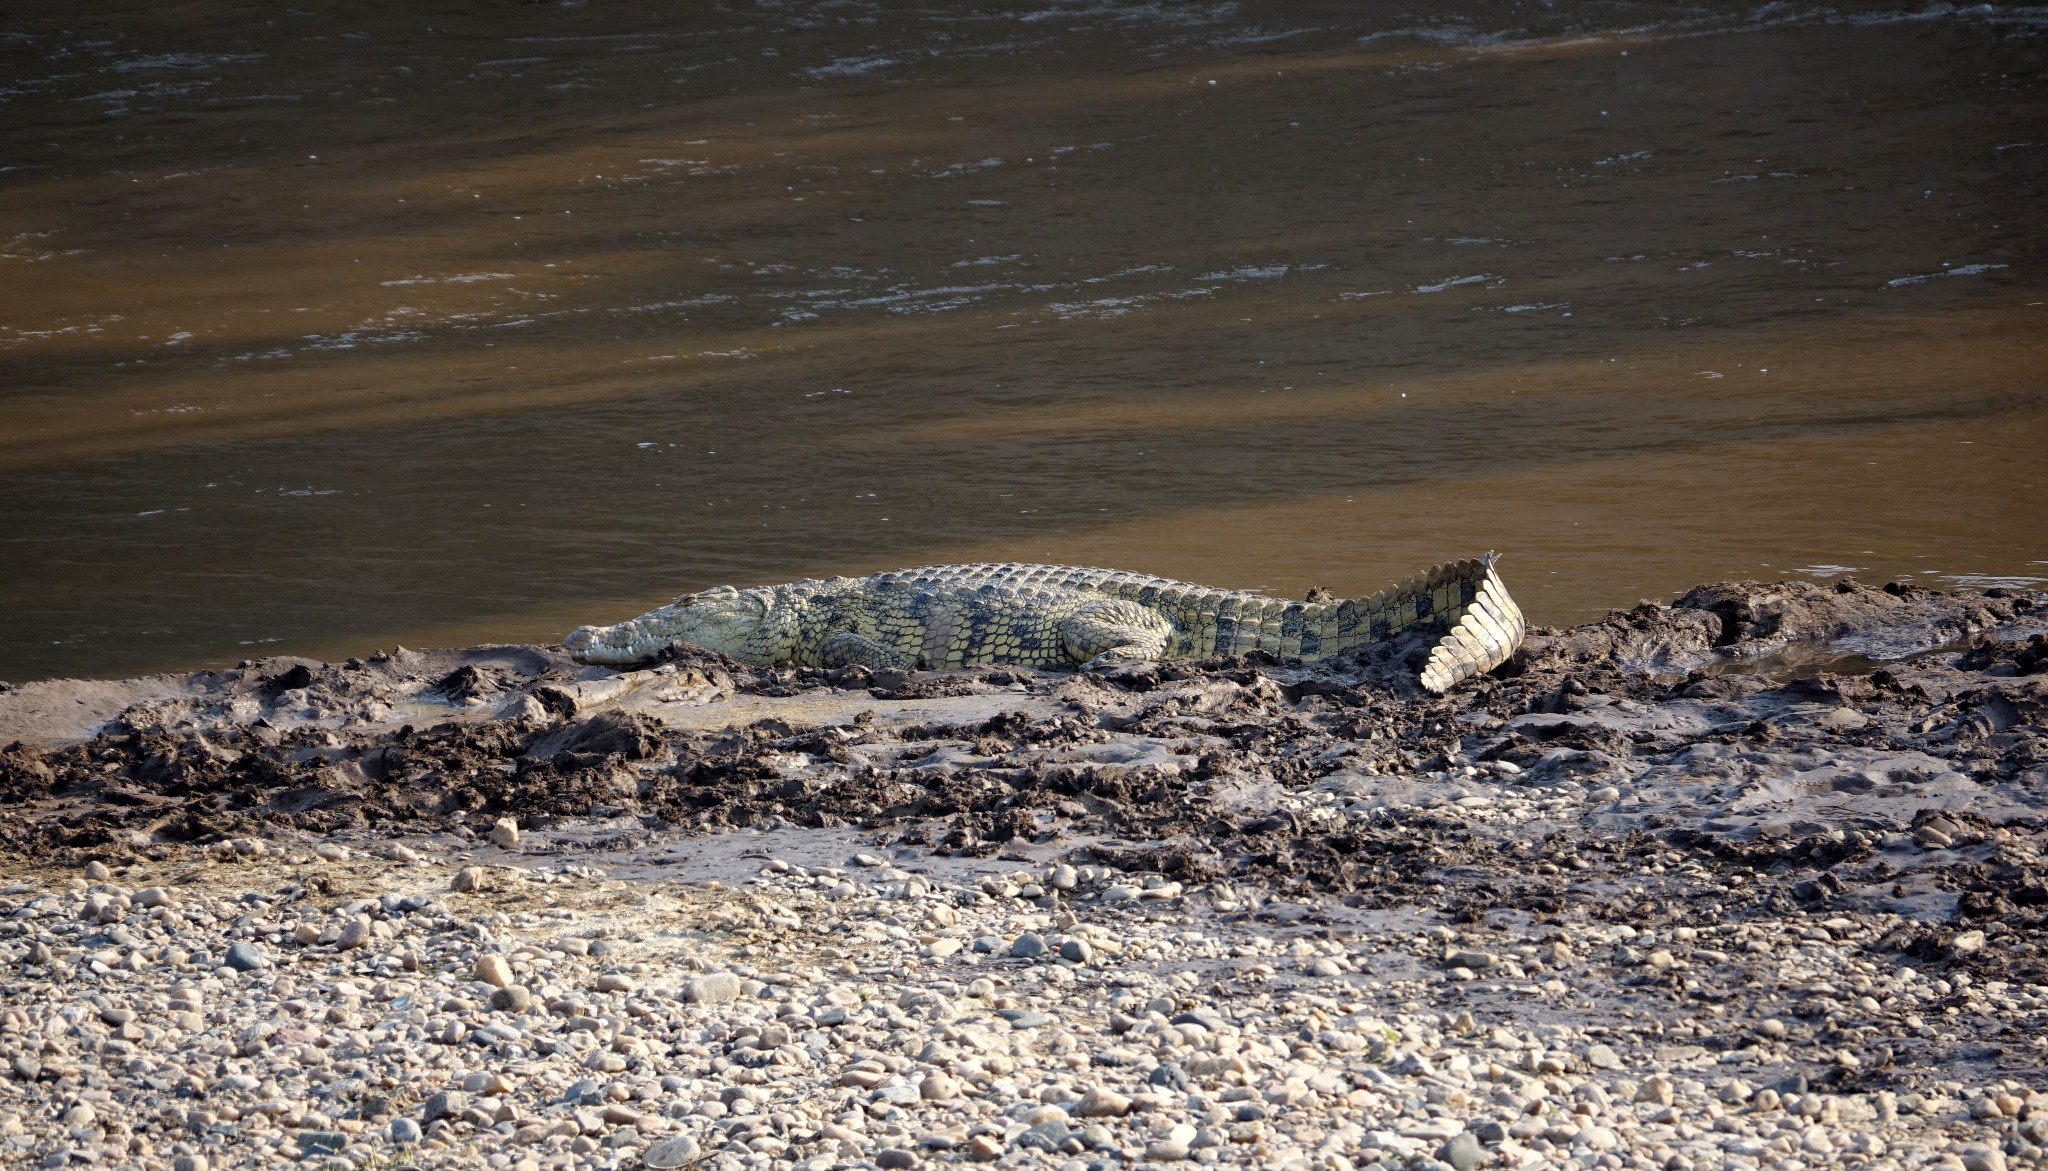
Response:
column 1114, row 631
column 852, row 650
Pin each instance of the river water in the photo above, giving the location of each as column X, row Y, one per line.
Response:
column 331, row 328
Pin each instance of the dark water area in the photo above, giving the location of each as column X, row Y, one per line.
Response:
column 331, row 328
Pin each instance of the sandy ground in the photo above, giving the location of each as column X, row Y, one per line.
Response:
column 1749, row 880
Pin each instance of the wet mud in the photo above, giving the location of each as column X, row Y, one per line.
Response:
column 1876, row 749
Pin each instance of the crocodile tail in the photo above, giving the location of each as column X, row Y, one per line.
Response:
column 1486, row 627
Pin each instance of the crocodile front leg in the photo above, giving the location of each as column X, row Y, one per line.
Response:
column 853, row 650
column 1114, row 631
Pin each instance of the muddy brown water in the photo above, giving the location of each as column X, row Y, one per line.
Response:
column 336, row 327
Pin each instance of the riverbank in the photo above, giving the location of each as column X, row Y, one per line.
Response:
column 1750, row 879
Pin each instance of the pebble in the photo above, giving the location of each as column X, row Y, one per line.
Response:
column 512, row 998
column 1983, row 1157
column 246, row 957
column 444, row 1103
column 1463, row 1151
column 321, row 1142
column 716, row 988
column 505, row 833
column 1102, row 1103
column 658, row 1025
column 939, row 1087
column 494, row 970
column 670, row 1152
column 357, row 933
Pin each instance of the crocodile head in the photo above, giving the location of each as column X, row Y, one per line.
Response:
column 733, row 622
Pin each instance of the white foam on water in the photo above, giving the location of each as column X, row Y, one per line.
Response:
column 1825, row 570
column 686, row 303
column 959, row 169
column 851, row 67
column 1124, row 272
column 1994, row 581
column 1261, row 38
column 182, row 61
column 1457, row 281
column 1262, row 272
column 465, row 279
column 1468, row 39
column 1132, row 13
column 1461, row 36
column 350, row 339
column 1100, row 307
column 1961, row 270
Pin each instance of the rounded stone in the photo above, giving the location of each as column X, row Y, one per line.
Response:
column 494, row 970
column 895, row 1159
column 356, row 933
column 670, row 1152
column 1463, row 1152
column 938, row 1087
column 512, row 998
column 1597, row 1138
column 246, row 957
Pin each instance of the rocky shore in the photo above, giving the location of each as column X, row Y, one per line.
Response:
column 1752, row 879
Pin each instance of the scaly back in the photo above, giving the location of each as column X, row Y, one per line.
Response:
column 1465, row 599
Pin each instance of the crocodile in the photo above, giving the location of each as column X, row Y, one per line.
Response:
column 1063, row 616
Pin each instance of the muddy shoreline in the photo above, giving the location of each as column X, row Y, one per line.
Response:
column 1805, row 802
column 1875, row 748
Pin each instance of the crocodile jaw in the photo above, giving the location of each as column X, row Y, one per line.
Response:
column 723, row 619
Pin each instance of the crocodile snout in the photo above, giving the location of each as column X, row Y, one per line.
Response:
column 580, row 639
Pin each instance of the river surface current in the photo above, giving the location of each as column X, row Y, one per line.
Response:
column 332, row 327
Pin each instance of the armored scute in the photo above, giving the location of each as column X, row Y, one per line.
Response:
column 1062, row 616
